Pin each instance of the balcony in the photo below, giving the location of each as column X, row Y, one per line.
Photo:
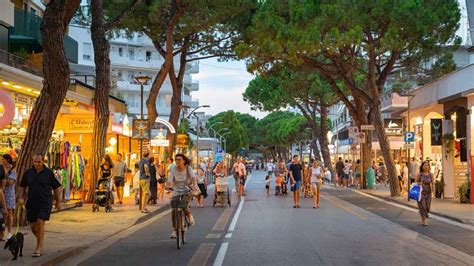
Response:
column 27, row 34
column 194, row 67
column 195, row 86
column 137, row 62
column 19, row 63
column 392, row 102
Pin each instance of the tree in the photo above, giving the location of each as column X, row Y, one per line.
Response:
column 346, row 40
column 283, row 86
column 237, row 138
column 54, row 25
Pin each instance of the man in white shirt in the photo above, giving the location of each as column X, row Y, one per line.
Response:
column 243, row 176
column 270, row 168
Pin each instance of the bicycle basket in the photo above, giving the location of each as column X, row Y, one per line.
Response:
column 180, row 201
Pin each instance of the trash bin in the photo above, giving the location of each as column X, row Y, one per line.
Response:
column 370, row 178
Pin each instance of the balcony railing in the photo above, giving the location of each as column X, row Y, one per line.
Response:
column 19, row 63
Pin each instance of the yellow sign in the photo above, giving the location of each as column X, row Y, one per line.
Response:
column 182, row 141
column 81, row 124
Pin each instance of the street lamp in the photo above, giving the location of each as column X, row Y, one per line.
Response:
column 218, row 131
column 141, row 80
column 222, row 137
column 197, row 131
column 410, row 97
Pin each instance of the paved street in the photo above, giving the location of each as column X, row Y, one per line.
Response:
column 348, row 229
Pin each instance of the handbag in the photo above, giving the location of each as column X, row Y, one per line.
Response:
column 415, row 192
column 195, row 190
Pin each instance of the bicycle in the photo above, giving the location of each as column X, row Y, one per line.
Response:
column 179, row 203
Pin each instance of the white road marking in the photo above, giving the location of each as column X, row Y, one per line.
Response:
column 228, row 235
column 221, row 254
column 439, row 218
column 236, row 215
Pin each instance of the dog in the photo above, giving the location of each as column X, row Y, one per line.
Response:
column 15, row 245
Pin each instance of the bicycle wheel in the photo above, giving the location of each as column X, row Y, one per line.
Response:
column 184, row 226
column 178, row 228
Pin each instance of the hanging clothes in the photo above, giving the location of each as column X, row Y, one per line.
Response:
column 77, row 169
column 64, row 154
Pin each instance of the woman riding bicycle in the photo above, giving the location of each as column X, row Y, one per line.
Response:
column 182, row 180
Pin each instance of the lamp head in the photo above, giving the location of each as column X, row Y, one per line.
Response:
column 142, row 79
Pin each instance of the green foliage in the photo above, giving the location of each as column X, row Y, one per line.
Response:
column 238, row 137
column 282, row 128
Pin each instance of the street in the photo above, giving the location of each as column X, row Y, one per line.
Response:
column 348, row 229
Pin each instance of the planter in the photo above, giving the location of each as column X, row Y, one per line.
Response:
column 464, row 192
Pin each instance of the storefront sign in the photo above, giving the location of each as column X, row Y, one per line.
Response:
column 140, row 129
column 81, row 124
column 117, row 128
column 182, row 141
column 436, row 131
column 24, row 99
column 126, row 127
column 160, row 143
column 367, row 127
column 393, row 126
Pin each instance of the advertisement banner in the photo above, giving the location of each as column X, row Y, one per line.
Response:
column 393, row 126
column 436, row 131
column 140, row 129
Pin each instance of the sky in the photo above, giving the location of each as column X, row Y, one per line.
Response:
column 221, row 85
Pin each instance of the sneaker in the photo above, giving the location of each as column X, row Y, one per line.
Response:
column 191, row 220
column 173, row 234
column 9, row 236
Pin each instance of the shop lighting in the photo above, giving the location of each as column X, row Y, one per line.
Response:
column 113, row 141
column 36, row 92
column 418, row 121
column 29, row 90
column 6, row 83
column 17, row 86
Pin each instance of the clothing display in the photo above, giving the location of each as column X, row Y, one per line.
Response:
column 76, row 169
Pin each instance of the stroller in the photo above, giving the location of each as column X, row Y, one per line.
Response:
column 102, row 195
column 222, row 194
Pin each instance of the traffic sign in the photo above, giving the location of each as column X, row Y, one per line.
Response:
column 409, row 136
column 409, row 145
column 219, row 150
column 361, row 137
column 353, row 131
column 351, row 141
column 367, row 127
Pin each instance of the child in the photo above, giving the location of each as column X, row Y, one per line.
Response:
column 278, row 183
column 136, row 183
column 267, row 184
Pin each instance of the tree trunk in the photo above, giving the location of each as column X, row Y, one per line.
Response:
column 101, row 97
column 387, row 156
column 54, row 25
column 323, row 139
column 155, row 90
column 176, row 105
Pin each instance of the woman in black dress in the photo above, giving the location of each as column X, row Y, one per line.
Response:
column 153, row 182
column 105, row 171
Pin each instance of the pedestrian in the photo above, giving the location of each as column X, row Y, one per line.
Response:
column 235, row 172
column 414, row 167
column 278, row 184
column 161, row 175
column 153, row 182
column 203, row 166
column 339, row 172
column 296, row 174
column 10, row 175
column 382, row 173
column 270, row 167
column 316, row 173
column 346, row 173
column 202, row 184
column 40, row 181
column 171, row 165
column 144, row 182
column 3, row 204
column 242, row 177
column 398, row 174
column 357, row 173
column 105, row 172
column 136, row 183
column 267, row 184
column 120, row 168
column 425, row 178
column 404, row 172
column 181, row 178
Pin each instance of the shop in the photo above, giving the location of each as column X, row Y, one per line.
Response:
column 441, row 118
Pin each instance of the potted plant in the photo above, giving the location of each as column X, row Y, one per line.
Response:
column 439, row 186
column 448, row 142
column 464, row 192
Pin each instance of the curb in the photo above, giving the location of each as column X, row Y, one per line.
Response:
column 412, row 207
column 73, row 251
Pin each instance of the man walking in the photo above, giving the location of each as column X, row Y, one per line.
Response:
column 339, row 171
column 270, row 168
column 120, row 167
column 296, row 173
column 39, row 180
column 243, row 177
column 144, row 168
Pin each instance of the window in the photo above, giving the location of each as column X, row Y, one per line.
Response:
column 148, row 56
column 131, row 54
column 119, row 74
column 87, row 51
column 32, row 11
column 120, row 51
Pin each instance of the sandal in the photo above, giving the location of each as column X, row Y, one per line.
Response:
column 36, row 255
column 145, row 211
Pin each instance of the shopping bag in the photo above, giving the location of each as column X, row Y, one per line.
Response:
column 415, row 192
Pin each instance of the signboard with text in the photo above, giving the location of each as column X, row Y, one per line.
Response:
column 436, row 131
column 367, row 127
column 159, row 142
column 393, row 126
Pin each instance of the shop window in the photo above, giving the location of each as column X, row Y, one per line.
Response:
column 87, row 51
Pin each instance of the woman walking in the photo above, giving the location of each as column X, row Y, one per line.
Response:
column 10, row 174
column 315, row 173
column 425, row 178
column 202, row 184
column 153, row 182
column 105, row 172
column 161, row 180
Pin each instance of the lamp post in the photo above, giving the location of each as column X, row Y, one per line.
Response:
column 217, row 133
column 211, row 127
column 410, row 97
column 222, row 137
column 197, row 131
column 141, row 80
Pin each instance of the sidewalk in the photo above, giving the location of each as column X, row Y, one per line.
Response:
column 68, row 232
column 447, row 208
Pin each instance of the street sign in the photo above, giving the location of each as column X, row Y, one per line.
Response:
column 367, row 127
column 159, row 142
column 409, row 136
column 219, row 150
column 393, row 126
column 361, row 138
column 409, row 145
column 353, row 131
column 351, row 141
column 219, row 157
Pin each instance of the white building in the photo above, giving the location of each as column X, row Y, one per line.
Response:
column 132, row 56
